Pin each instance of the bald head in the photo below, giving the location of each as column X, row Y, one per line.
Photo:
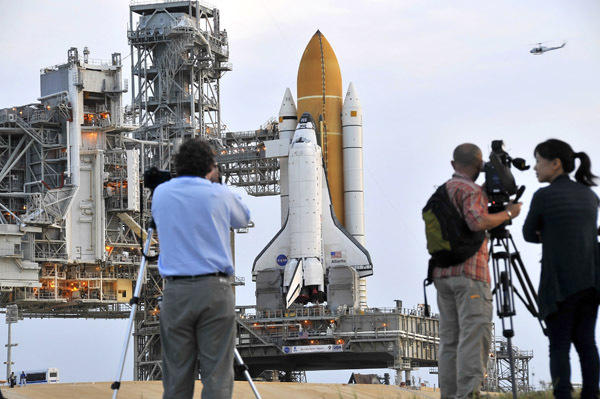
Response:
column 467, row 154
column 467, row 159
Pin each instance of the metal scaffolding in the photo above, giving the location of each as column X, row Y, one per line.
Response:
column 316, row 338
column 72, row 211
column 179, row 54
column 42, row 148
column 498, row 376
column 244, row 163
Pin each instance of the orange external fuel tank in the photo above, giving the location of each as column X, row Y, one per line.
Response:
column 320, row 94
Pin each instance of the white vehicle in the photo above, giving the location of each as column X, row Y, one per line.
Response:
column 43, row 376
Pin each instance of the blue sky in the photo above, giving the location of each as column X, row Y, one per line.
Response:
column 430, row 75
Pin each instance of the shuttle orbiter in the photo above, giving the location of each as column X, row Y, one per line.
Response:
column 311, row 241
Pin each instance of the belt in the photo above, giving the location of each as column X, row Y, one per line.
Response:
column 218, row 274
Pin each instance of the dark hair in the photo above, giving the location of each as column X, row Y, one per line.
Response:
column 553, row 148
column 194, row 158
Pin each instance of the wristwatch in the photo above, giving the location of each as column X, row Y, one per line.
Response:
column 509, row 214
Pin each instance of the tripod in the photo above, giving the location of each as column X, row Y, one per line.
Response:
column 134, row 303
column 505, row 262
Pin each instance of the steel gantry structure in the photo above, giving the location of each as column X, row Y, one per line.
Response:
column 72, row 205
column 179, row 54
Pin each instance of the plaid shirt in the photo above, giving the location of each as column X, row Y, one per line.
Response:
column 471, row 202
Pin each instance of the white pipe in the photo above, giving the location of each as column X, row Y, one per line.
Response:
column 60, row 93
column 141, row 141
column 68, row 152
column 74, row 127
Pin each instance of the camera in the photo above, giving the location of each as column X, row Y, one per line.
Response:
column 499, row 181
column 153, row 177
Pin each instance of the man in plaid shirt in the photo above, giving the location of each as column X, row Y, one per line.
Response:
column 463, row 290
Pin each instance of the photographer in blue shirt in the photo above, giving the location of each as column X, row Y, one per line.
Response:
column 193, row 216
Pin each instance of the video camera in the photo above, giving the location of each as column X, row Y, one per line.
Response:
column 499, row 181
column 153, row 177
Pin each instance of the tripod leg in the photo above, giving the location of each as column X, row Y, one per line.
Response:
column 134, row 302
column 501, row 263
column 511, row 359
column 241, row 363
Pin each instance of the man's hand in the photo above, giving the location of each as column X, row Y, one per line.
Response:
column 514, row 208
column 492, row 220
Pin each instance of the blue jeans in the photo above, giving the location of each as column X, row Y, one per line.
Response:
column 574, row 322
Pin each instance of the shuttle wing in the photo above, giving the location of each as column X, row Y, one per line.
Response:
column 276, row 254
column 339, row 247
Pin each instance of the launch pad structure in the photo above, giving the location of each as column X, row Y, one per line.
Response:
column 73, row 209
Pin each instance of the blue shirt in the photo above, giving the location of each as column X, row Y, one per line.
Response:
column 193, row 217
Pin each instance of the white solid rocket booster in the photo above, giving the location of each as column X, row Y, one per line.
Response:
column 288, row 120
column 352, row 150
column 352, row 145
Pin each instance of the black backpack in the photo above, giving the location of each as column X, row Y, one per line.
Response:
column 450, row 241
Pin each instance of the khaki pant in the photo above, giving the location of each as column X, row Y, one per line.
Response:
column 197, row 323
column 465, row 335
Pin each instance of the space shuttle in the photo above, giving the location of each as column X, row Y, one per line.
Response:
column 312, row 248
column 319, row 253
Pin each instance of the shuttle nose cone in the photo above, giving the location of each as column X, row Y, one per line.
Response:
column 351, row 95
column 306, row 117
column 352, row 109
column 288, row 107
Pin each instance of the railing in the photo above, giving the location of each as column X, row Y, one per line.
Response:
column 90, row 61
column 77, row 295
column 44, row 295
column 303, row 312
column 246, row 133
column 52, row 274
column 94, row 275
column 125, row 259
column 44, row 255
column 142, row 2
column 318, row 311
column 41, row 116
column 29, row 130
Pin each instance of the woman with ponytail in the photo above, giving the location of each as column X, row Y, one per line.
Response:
column 563, row 218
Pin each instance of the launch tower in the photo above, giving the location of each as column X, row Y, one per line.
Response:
column 179, row 54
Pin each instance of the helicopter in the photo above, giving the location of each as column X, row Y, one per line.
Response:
column 539, row 49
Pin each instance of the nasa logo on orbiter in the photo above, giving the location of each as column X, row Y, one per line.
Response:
column 282, row 260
